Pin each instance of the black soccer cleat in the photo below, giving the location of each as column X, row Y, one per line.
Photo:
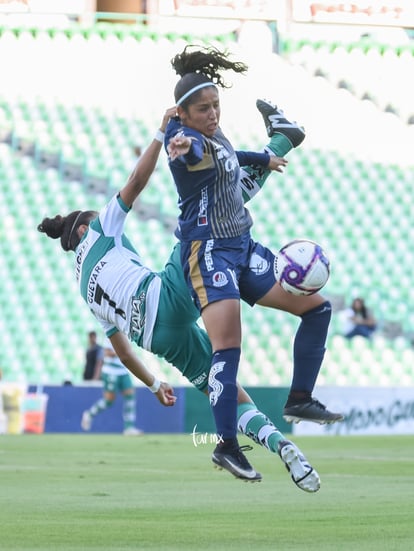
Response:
column 276, row 123
column 310, row 410
column 232, row 458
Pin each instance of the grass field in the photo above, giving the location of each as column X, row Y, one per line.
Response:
column 67, row 492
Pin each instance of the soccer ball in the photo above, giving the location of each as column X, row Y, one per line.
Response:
column 301, row 267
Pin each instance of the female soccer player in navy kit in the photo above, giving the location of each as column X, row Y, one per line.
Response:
column 221, row 262
column 155, row 310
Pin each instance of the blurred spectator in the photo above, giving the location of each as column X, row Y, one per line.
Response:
column 358, row 320
column 94, row 359
column 137, row 151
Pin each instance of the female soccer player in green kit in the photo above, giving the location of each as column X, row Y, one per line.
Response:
column 155, row 310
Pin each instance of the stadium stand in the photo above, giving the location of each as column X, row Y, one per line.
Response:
column 70, row 147
column 367, row 68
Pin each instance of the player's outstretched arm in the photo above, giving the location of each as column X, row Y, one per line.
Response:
column 146, row 164
column 163, row 391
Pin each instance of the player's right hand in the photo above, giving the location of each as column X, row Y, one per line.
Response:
column 165, row 394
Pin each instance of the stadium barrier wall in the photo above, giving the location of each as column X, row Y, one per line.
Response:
column 58, row 409
column 67, row 403
column 270, row 400
column 367, row 410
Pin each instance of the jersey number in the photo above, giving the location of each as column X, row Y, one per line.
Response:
column 101, row 294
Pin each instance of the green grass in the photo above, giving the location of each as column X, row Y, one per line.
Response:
column 81, row 492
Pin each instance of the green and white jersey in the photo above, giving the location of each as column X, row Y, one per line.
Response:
column 121, row 292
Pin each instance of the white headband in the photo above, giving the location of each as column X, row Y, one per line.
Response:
column 192, row 90
column 73, row 227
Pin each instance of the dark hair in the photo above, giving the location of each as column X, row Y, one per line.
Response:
column 363, row 309
column 64, row 227
column 202, row 66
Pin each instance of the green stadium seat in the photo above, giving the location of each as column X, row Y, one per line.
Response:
column 355, row 236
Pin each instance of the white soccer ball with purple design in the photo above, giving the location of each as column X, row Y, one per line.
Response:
column 302, row 267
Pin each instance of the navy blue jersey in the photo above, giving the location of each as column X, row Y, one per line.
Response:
column 207, row 181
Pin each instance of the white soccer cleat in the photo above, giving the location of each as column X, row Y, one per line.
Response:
column 86, row 422
column 301, row 472
column 132, row 431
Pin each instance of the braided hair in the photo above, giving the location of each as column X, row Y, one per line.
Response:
column 65, row 227
column 199, row 68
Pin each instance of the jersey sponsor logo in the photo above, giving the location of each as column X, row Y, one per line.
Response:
column 208, row 259
column 200, row 379
column 258, row 264
column 137, row 316
column 215, row 385
column 92, row 284
column 202, row 218
column 231, row 163
column 230, row 159
column 220, row 279
column 79, row 258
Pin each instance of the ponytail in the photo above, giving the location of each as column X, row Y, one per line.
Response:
column 65, row 227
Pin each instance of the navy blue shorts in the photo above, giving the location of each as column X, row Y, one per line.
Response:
column 219, row 269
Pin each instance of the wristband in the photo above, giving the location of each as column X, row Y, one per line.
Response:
column 159, row 136
column 155, row 386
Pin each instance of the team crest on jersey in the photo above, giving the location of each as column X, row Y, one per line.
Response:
column 258, row 264
column 221, row 152
column 220, row 279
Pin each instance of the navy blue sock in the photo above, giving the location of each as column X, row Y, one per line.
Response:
column 309, row 349
column 223, row 391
